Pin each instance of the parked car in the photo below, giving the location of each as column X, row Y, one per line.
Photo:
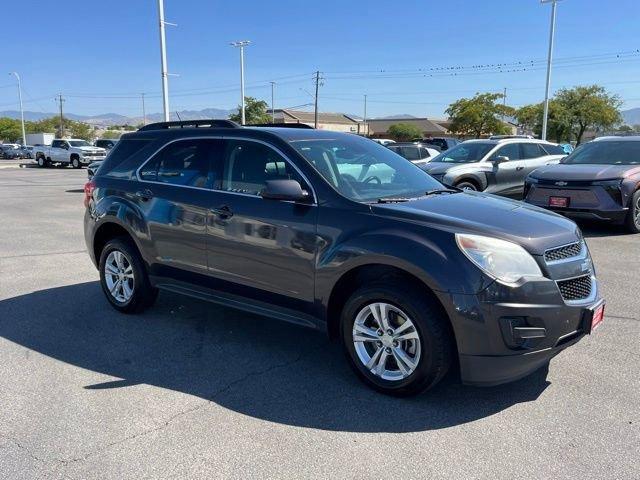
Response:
column 383, row 141
column 417, row 153
column 600, row 180
column 443, row 143
column 493, row 166
column 413, row 277
column 106, row 143
column 9, row 151
column 26, row 151
column 72, row 151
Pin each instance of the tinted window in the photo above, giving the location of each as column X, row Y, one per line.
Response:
column 424, row 153
column 410, row 153
column 248, row 165
column 466, row 152
column 606, row 153
column 532, row 150
column 512, row 151
column 116, row 165
column 185, row 162
column 79, row 143
column 553, row 149
column 439, row 142
column 363, row 170
column 57, row 143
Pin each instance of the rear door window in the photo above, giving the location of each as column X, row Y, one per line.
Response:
column 511, row 151
column 532, row 150
column 184, row 162
column 410, row 153
column 553, row 149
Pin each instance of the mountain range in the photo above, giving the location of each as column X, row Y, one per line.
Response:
column 630, row 117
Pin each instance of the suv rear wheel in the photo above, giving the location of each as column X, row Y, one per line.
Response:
column 396, row 339
column 633, row 216
column 123, row 277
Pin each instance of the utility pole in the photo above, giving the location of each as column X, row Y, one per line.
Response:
column 273, row 110
column 366, row 127
column 163, row 60
column 61, row 101
column 315, row 116
column 24, row 136
column 545, row 114
column 241, row 44
column 144, row 113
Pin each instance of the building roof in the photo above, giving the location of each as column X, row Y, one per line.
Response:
column 308, row 117
column 424, row 124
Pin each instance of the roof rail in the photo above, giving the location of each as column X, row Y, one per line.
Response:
column 190, row 124
column 281, row 125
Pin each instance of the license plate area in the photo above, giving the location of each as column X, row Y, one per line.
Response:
column 594, row 317
column 562, row 202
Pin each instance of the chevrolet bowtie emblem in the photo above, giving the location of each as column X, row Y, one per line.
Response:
column 561, row 184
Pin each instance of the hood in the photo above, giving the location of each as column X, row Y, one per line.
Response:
column 584, row 172
column 437, row 168
column 531, row 227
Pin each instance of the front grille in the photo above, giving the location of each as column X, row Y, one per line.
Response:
column 560, row 253
column 576, row 288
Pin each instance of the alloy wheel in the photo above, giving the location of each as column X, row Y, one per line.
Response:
column 118, row 274
column 637, row 212
column 386, row 341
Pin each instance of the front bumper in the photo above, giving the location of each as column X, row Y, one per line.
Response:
column 505, row 333
column 585, row 202
column 87, row 160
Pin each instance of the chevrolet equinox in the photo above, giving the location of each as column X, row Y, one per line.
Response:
column 338, row 233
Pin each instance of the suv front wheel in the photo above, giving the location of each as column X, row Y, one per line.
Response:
column 123, row 277
column 396, row 338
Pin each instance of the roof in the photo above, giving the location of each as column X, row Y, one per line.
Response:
column 424, row 124
column 309, row 117
column 628, row 138
column 497, row 141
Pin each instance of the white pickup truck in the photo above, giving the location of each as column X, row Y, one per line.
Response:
column 72, row 151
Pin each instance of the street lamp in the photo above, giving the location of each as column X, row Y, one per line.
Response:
column 545, row 115
column 24, row 136
column 241, row 44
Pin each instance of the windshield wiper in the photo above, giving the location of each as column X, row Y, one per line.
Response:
column 393, row 200
column 439, row 191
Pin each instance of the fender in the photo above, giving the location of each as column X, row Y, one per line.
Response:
column 478, row 177
column 421, row 255
column 126, row 214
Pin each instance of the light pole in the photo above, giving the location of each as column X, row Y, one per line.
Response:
column 24, row 136
column 273, row 111
column 241, row 44
column 163, row 60
column 366, row 127
column 552, row 31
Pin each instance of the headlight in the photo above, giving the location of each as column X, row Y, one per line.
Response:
column 505, row 261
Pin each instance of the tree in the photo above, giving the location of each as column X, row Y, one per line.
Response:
column 10, row 130
column 589, row 107
column 479, row 115
column 72, row 128
column 112, row 133
column 404, row 131
column 529, row 119
column 255, row 111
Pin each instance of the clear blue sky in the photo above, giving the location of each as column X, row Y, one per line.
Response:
column 89, row 48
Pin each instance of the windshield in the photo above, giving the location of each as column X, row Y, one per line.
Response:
column 79, row 143
column 466, row 152
column 606, row 153
column 363, row 170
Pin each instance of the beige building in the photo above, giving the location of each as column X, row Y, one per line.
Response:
column 379, row 128
column 336, row 122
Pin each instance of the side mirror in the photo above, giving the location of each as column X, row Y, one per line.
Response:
column 499, row 159
column 285, row 190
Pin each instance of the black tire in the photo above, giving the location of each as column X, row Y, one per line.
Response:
column 431, row 324
column 42, row 161
column 632, row 222
column 144, row 295
column 467, row 185
column 75, row 162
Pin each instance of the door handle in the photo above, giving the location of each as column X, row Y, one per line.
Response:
column 223, row 211
column 145, row 194
column 519, row 168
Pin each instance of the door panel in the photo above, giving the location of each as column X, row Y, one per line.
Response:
column 175, row 197
column 263, row 244
column 506, row 175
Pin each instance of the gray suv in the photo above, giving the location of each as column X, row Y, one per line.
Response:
column 495, row 166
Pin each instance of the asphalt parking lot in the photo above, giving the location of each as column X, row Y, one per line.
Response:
column 192, row 390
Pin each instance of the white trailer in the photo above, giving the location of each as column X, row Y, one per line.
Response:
column 40, row 138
